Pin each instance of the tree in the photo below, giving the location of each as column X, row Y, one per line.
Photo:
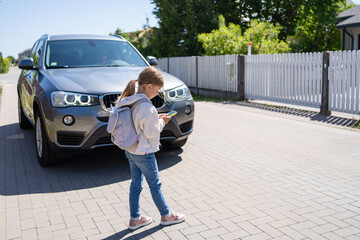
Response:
column 12, row 59
column 4, row 64
column 179, row 24
column 265, row 38
column 225, row 40
column 181, row 21
column 287, row 13
column 229, row 40
column 317, row 33
column 140, row 39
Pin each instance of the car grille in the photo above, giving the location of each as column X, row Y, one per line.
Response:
column 108, row 100
column 157, row 102
column 185, row 127
column 69, row 138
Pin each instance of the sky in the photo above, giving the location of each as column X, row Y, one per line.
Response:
column 22, row 22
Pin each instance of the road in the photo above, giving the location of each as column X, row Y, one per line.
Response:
column 245, row 173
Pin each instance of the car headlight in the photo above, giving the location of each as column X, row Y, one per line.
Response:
column 177, row 94
column 67, row 99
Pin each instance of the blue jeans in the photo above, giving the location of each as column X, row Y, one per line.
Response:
column 145, row 165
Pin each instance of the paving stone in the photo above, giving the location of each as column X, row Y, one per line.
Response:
column 214, row 232
column 348, row 231
column 250, row 228
column 258, row 236
column 325, row 228
column 332, row 236
column 268, row 229
column 176, row 235
column 195, row 236
column 195, row 229
column 292, row 233
column 29, row 234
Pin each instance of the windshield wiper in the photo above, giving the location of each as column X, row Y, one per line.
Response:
column 65, row 66
column 50, row 67
column 115, row 65
column 86, row 66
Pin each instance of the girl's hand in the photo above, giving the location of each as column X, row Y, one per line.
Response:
column 162, row 114
column 165, row 117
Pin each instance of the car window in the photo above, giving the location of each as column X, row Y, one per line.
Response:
column 32, row 54
column 37, row 52
column 91, row 53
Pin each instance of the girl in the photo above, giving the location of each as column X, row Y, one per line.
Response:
column 148, row 124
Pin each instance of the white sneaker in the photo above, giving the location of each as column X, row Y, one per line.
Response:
column 172, row 219
column 143, row 221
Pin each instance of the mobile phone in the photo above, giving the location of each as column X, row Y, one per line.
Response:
column 171, row 113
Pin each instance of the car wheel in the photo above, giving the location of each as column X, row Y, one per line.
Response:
column 45, row 156
column 174, row 145
column 24, row 123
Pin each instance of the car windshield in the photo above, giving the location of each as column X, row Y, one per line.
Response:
column 91, row 53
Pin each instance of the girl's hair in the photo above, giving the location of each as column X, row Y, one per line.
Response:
column 149, row 75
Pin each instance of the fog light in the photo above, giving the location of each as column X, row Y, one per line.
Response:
column 68, row 120
column 188, row 109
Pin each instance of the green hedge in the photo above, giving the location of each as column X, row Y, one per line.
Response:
column 4, row 65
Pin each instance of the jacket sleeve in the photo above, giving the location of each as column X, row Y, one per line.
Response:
column 149, row 122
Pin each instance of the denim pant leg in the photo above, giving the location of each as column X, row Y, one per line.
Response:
column 135, row 187
column 151, row 174
column 148, row 165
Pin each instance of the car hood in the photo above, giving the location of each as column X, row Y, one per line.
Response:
column 101, row 80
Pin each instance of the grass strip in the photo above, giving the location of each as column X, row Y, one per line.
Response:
column 356, row 125
column 201, row 98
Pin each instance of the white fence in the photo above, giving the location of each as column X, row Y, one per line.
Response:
column 218, row 72
column 294, row 78
column 213, row 72
column 184, row 68
column 163, row 64
column 344, row 81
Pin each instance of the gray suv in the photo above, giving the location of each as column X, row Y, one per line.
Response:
column 70, row 82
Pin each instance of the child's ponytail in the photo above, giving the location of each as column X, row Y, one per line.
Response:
column 149, row 75
column 129, row 90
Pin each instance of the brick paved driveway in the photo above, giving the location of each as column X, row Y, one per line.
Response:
column 244, row 174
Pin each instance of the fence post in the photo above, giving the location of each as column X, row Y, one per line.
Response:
column 168, row 64
column 241, row 77
column 197, row 76
column 324, row 108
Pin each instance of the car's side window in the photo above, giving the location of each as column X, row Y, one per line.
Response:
column 34, row 49
column 37, row 52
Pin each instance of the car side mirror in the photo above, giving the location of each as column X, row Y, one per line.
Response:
column 27, row 64
column 152, row 60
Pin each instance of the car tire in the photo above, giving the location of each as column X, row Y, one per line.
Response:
column 46, row 157
column 174, row 145
column 24, row 123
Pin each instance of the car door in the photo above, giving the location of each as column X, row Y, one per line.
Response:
column 30, row 76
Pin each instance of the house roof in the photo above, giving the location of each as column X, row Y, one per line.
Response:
column 350, row 17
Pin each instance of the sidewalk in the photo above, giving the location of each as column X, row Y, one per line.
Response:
column 245, row 173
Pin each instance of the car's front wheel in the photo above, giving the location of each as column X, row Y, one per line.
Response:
column 45, row 156
column 174, row 145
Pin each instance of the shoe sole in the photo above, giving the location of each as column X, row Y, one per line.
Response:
column 172, row 222
column 140, row 225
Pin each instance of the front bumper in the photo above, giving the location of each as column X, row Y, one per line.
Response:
column 89, row 128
